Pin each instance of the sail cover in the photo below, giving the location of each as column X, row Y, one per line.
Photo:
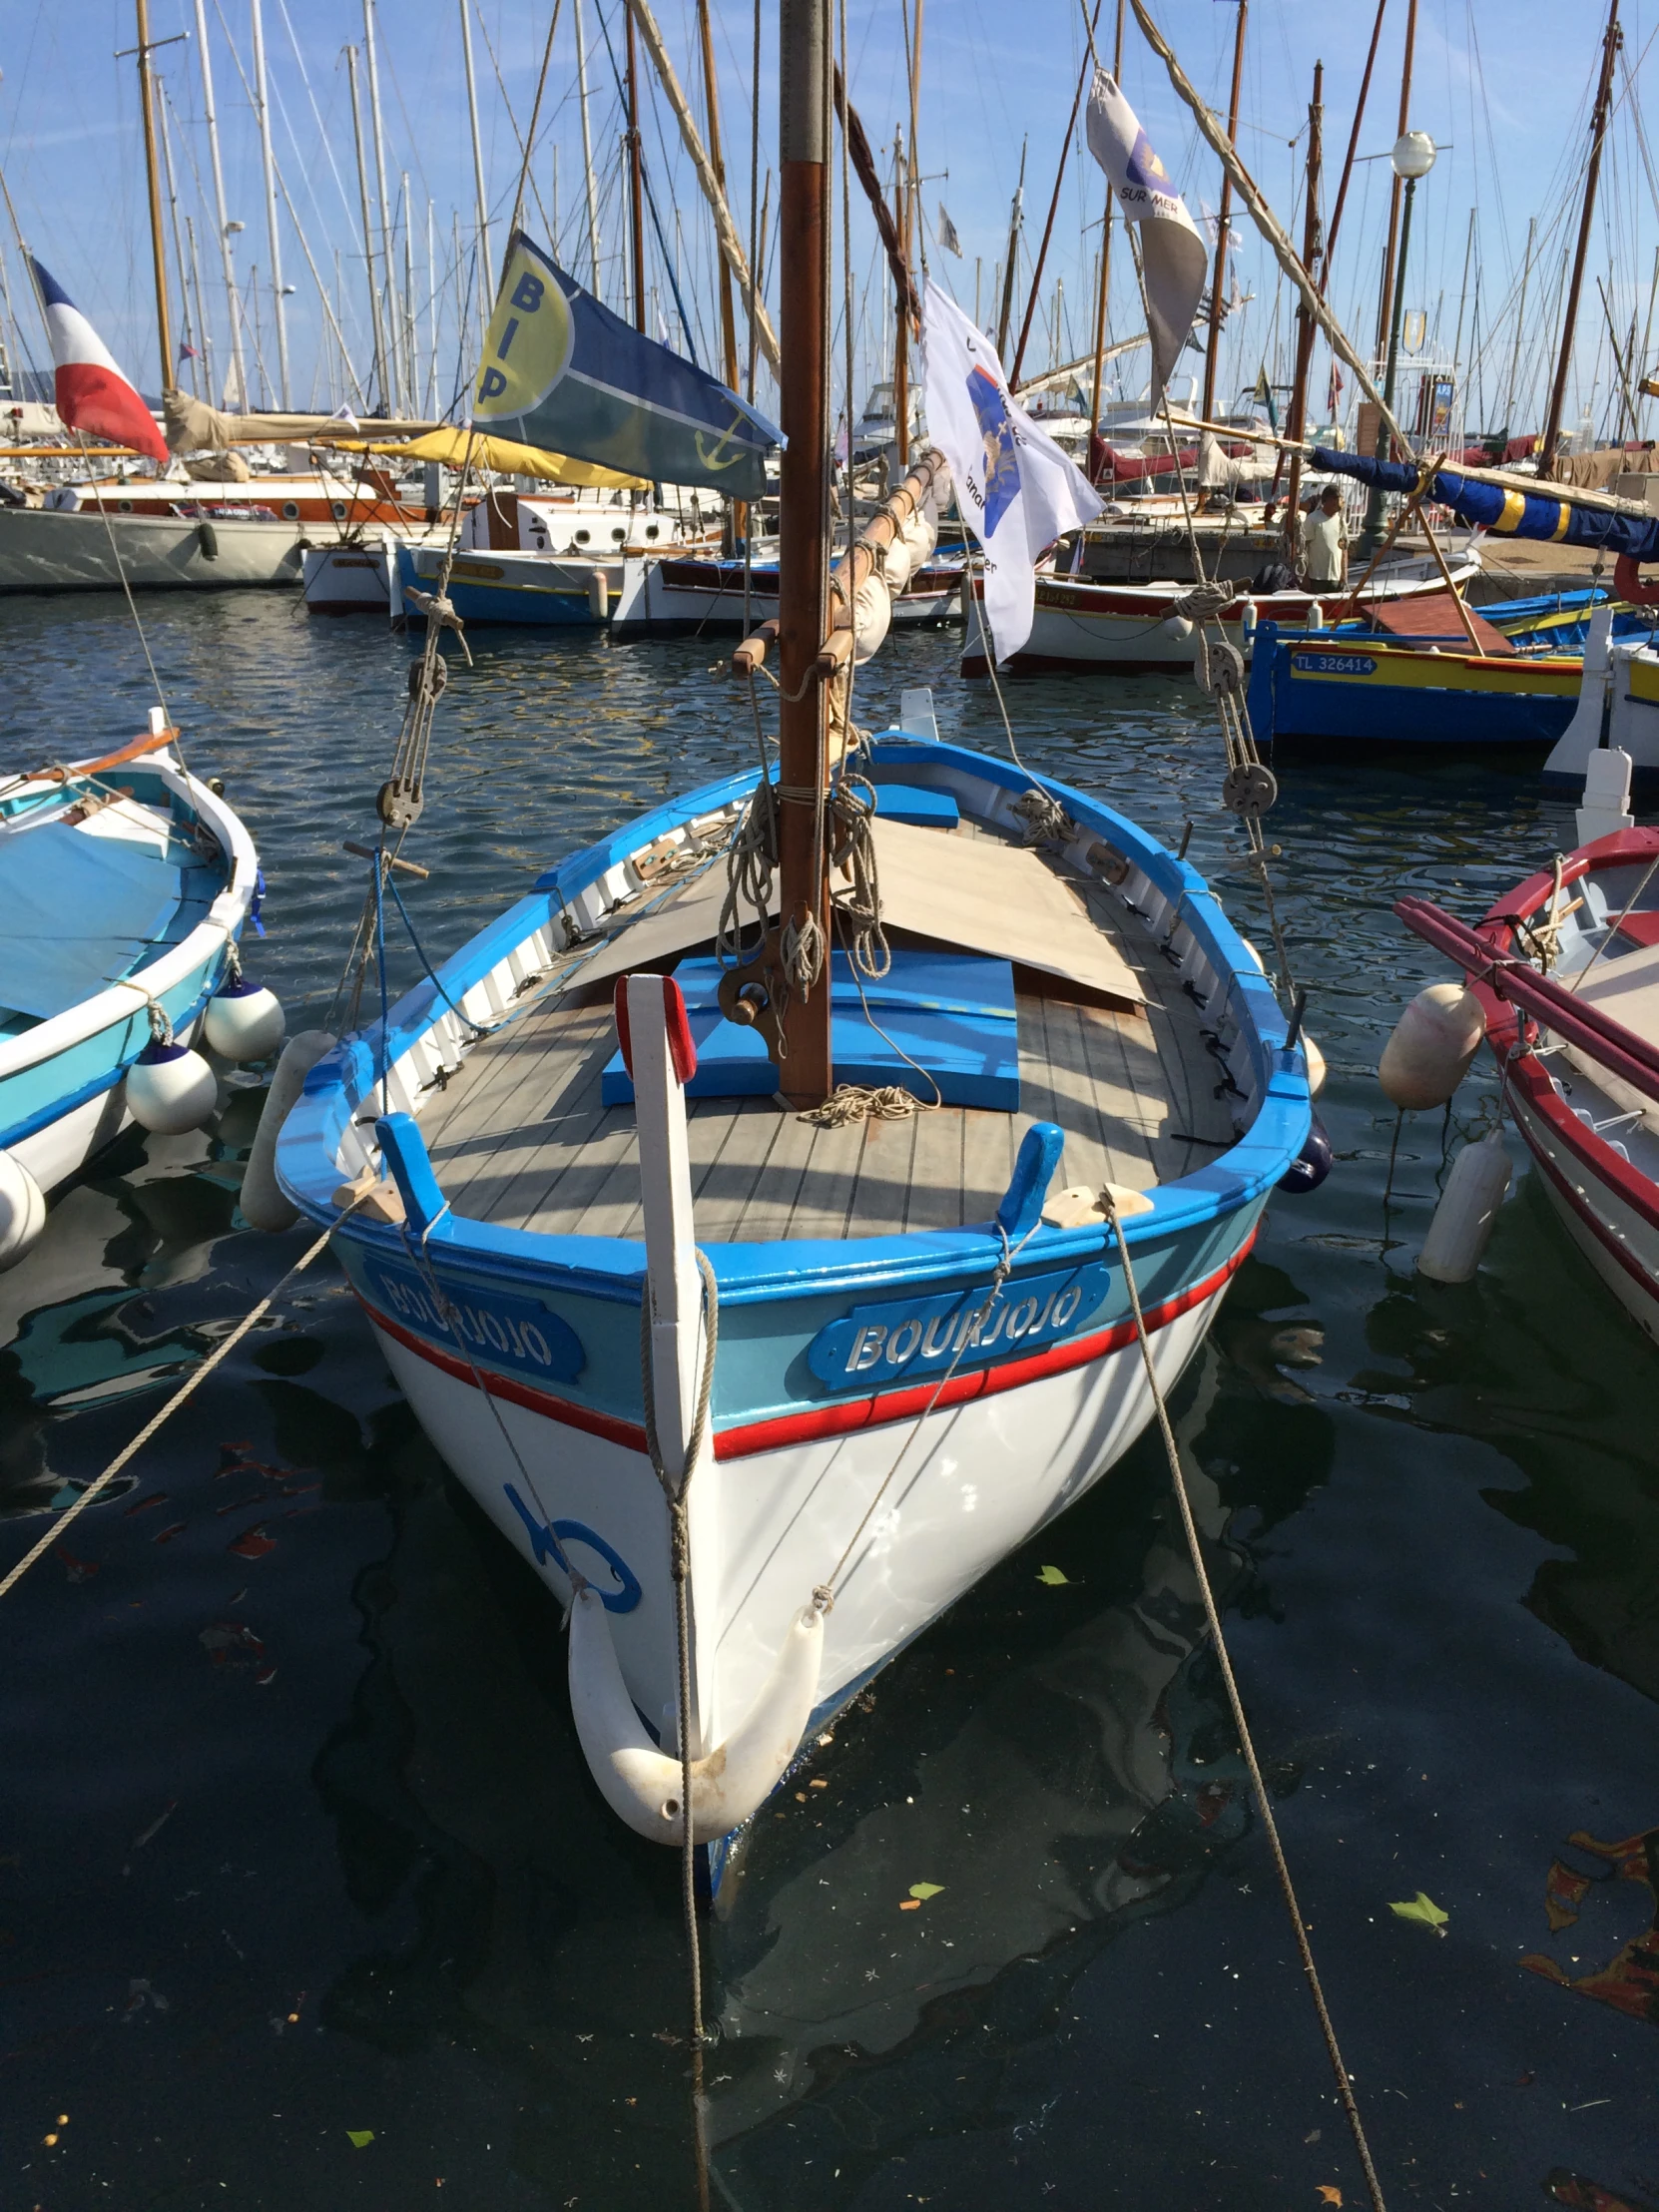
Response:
column 561, row 372
column 1505, row 512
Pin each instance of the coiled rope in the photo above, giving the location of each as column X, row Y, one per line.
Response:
column 1345, row 2086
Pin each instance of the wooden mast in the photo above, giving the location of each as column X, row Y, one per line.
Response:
column 634, row 178
column 1306, row 326
column 710, row 103
column 163, row 328
column 1385, row 301
column 805, row 1076
column 1105, row 282
column 1218, row 291
column 901, row 331
column 1611, row 40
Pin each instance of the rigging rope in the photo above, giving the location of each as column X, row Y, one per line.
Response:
column 1172, row 1452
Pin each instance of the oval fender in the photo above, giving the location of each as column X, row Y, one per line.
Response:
column 641, row 1783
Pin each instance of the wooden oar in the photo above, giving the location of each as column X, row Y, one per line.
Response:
column 151, row 741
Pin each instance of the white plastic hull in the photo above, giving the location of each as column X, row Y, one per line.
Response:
column 52, row 549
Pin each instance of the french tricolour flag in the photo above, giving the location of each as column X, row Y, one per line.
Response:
column 90, row 392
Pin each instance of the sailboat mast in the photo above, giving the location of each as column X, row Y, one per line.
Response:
column 158, row 249
column 1306, row 326
column 178, row 256
column 238, row 374
column 267, row 172
column 636, row 195
column 1015, row 216
column 711, row 104
column 381, row 395
column 587, row 152
column 1213, row 346
column 802, row 582
column 1105, row 282
column 388, row 351
column 1612, row 39
column 1385, row 305
column 901, row 326
column 485, row 263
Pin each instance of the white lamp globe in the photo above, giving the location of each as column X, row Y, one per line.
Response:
column 1414, row 155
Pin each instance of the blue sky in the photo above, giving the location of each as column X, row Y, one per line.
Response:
column 1503, row 85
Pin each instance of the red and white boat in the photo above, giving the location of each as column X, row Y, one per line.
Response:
column 1567, row 970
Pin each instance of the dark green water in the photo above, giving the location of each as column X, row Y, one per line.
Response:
column 294, row 1837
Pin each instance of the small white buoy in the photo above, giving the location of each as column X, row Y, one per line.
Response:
column 599, row 595
column 1432, row 1043
column 263, row 1204
column 1316, row 1066
column 171, row 1089
column 244, row 1021
column 1462, row 1224
column 1316, row 615
column 22, row 1210
column 1178, row 627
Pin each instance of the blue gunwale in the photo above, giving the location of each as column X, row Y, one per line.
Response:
column 611, row 1270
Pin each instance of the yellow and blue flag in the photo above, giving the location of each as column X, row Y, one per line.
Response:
column 562, row 372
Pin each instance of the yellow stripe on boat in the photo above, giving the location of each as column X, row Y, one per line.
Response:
column 1644, row 678
column 1510, row 521
column 1376, row 669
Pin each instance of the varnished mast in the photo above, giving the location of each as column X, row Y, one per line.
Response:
column 1611, row 41
column 1219, row 289
column 804, row 544
column 164, row 324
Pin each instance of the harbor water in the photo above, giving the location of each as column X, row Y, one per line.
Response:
column 306, row 1899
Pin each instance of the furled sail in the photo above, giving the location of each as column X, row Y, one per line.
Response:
column 1506, row 510
column 561, row 372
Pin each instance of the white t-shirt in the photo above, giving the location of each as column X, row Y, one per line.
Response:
column 1323, row 542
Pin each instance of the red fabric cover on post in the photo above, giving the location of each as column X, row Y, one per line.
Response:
column 680, row 1048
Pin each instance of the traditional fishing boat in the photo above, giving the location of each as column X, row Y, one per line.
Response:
column 1564, row 973
column 768, row 1214
column 125, row 886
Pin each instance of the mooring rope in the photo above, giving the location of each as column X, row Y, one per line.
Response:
column 1172, row 1451
column 219, row 1353
column 679, row 1568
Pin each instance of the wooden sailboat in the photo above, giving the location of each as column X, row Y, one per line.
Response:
column 697, row 1338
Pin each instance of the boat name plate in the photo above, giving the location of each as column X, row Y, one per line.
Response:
column 923, row 1335
column 1333, row 664
column 494, row 1326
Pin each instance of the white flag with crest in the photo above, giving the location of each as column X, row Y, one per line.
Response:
column 1015, row 489
column 1174, row 257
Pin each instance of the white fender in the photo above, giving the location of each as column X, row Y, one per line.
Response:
column 171, row 1089
column 1465, row 1217
column 261, row 1202
column 244, row 1021
column 1316, row 1070
column 1431, row 1046
column 641, row 1783
column 22, row 1211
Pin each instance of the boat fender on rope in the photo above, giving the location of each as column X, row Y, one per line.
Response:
column 244, row 1020
column 263, row 1202
column 1430, row 1047
column 207, row 537
column 641, row 1783
column 1463, row 1220
column 1316, row 1069
column 1312, row 1164
column 169, row 1088
column 22, row 1211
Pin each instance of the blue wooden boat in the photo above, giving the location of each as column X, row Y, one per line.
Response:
column 917, row 1292
column 125, row 884
column 1339, row 686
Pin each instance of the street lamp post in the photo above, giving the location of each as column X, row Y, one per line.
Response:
column 1413, row 157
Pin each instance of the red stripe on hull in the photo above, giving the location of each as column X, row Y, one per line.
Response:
column 1592, row 1222
column 841, row 1418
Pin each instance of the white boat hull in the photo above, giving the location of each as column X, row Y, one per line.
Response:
column 54, row 549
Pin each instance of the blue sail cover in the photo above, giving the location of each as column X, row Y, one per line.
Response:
column 560, row 371
column 1508, row 515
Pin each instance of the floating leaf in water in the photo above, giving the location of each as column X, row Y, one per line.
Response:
column 1421, row 1909
column 1329, row 2194
column 1052, row 1576
column 252, row 1543
column 923, row 1891
column 359, row 2137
